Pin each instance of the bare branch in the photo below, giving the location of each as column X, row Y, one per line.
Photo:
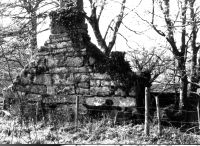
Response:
column 109, row 27
column 116, row 28
column 136, row 32
column 101, row 10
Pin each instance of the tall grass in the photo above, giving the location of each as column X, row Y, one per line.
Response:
column 61, row 130
column 96, row 132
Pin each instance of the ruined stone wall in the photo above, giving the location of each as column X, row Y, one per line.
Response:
column 66, row 67
column 60, row 72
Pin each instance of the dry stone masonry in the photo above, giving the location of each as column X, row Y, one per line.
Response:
column 69, row 65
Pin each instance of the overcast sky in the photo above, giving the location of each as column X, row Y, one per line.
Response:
column 144, row 36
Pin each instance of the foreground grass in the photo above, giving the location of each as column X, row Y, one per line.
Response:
column 101, row 132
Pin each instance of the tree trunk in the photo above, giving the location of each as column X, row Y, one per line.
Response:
column 193, row 74
column 194, row 49
column 198, row 114
column 33, row 33
column 101, row 42
column 183, row 85
column 183, row 57
column 94, row 22
column 183, row 93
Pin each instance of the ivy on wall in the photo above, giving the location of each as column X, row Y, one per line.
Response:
column 116, row 66
column 68, row 17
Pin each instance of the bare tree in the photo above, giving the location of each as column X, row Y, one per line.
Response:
column 19, row 35
column 194, row 73
column 180, row 53
column 152, row 62
column 114, row 25
column 29, row 14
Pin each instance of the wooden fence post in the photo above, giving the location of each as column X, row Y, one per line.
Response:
column 198, row 114
column 158, row 114
column 146, row 126
column 76, row 113
column 37, row 112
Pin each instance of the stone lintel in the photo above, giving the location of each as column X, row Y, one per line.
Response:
column 117, row 101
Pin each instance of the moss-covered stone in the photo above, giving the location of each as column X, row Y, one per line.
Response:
column 73, row 61
column 95, row 83
column 43, row 79
column 100, row 91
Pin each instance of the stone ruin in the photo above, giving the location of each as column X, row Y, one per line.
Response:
column 69, row 65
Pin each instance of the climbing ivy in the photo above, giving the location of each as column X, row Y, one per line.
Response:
column 68, row 17
column 116, row 66
column 119, row 69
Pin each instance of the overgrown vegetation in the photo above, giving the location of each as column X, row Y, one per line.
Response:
column 67, row 17
column 59, row 130
column 116, row 66
column 97, row 132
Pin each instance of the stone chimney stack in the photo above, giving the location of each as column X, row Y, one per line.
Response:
column 69, row 17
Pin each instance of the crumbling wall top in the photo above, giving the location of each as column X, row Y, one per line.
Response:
column 72, row 3
column 69, row 17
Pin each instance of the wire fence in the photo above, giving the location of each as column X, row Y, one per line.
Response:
column 113, row 108
column 115, row 114
column 123, row 110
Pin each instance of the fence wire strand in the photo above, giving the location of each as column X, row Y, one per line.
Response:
column 123, row 111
